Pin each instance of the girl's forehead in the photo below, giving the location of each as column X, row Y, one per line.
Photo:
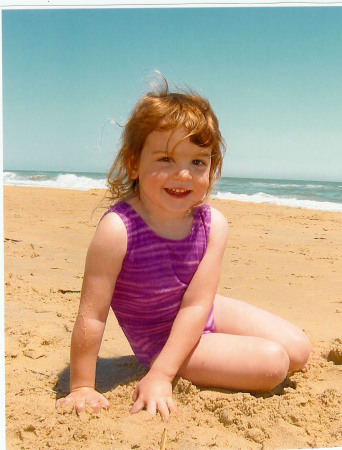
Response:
column 167, row 136
column 169, row 140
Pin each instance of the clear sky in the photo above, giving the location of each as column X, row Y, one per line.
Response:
column 273, row 76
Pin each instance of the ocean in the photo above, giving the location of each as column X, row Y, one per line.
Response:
column 319, row 195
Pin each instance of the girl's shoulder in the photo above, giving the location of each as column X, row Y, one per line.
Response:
column 111, row 226
column 123, row 211
column 214, row 215
column 120, row 208
column 219, row 223
column 109, row 243
column 122, row 219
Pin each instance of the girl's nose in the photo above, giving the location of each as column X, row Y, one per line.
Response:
column 182, row 174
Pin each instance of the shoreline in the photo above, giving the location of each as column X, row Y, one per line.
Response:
column 284, row 259
column 214, row 197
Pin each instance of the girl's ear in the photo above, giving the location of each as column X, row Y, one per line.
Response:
column 132, row 168
column 134, row 175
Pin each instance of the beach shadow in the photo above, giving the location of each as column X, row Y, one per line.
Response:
column 110, row 372
column 279, row 390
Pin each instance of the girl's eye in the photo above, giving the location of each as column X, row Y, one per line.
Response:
column 198, row 162
column 165, row 159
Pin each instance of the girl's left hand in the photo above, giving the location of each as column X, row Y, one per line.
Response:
column 154, row 392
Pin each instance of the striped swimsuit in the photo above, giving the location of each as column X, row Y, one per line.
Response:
column 154, row 276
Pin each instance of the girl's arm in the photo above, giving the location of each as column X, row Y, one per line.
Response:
column 154, row 390
column 103, row 264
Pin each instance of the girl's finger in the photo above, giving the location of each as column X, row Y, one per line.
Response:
column 138, row 406
column 151, row 407
column 163, row 410
column 104, row 403
column 135, row 392
column 97, row 403
column 95, row 406
column 80, row 407
column 171, row 405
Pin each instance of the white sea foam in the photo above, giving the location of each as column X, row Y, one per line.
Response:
column 261, row 197
column 64, row 181
column 275, row 185
column 279, row 192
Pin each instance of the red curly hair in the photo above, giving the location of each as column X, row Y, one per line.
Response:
column 162, row 110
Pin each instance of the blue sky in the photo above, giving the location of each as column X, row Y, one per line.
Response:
column 273, row 76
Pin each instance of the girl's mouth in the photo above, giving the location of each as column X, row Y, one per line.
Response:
column 178, row 193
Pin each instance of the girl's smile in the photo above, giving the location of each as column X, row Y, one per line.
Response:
column 178, row 193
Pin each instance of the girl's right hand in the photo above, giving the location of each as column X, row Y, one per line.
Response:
column 82, row 396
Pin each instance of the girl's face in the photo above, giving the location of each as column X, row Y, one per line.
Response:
column 174, row 180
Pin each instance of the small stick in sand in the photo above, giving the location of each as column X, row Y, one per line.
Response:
column 12, row 240
column 49, row 390
column 68, row 291
column 163, row 441
column 38, row 373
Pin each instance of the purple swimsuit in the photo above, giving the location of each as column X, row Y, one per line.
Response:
column 155, row 274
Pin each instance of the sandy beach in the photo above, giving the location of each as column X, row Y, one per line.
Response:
column 283, row 259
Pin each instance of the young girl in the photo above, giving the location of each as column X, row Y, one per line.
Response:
column 156, row 260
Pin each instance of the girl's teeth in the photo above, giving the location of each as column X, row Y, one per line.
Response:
column 178, row 191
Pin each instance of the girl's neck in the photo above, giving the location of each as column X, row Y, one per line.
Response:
column 163, row 223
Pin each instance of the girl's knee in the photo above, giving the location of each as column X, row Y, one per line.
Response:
column 299, row 350
column 276, row 367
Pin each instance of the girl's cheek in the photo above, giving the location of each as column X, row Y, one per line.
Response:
column 205, row 179
column 159, row 175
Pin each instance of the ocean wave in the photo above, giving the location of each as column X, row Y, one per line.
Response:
column 278, row 194
column 261, row 197
column 63, row 181
column 275, row 185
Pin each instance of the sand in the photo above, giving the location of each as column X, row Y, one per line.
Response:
column 286, row 260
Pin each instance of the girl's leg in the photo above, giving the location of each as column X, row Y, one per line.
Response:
column 253, row 350
column 244, row 363
column 239, row 318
